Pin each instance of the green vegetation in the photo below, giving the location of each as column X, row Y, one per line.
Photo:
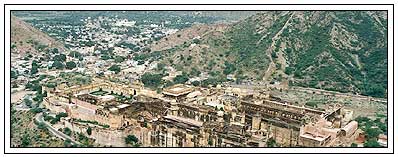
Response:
column 67, row 131
column 70, row 65
column 196, row 83
column 99, row 92
column 25, row 140
column 156, row 55
column 89, row 131
column 371, row 143
column 119, row 59
column 271, row 142
column 91, row 122
column 181, row 79
column 56, row 119
column 24, row 135
column 35, row 67
column 75, row 54
column 41, row 125
column 312, row 104
column 74, row 78
column 86, row 142
column 326, row 60
column 60, row 57
column 372, row 129
column 194, row 72
column 58, row 65
column 51, row 85
column 196, row 41
column 213, row 81
column 151, row 80
column 120, row 97
column 68, row 143
column 36, row 110
column 14, row 74
column 115, row 68
column 131, row 140
column 27, row 102
column 127, row 45
column 229, row 68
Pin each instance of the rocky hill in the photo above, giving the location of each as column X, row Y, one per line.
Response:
column 337, row 50
column 27, row 39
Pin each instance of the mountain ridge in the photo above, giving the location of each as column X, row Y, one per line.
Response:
column 29, row 39
column 304, row 48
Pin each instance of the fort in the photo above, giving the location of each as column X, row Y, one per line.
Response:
column 186, row 116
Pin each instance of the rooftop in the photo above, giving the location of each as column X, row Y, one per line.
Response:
column 184, row 120
column 84, row 104
column 107, row 97
column 319, row 138
column 123, row 106
column 177, row 90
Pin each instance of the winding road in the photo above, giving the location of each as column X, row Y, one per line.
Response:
column 40, row 118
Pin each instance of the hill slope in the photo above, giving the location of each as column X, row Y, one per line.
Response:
column 27, row 39
column 344, row 51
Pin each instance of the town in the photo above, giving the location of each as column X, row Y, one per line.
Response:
column 106, row 87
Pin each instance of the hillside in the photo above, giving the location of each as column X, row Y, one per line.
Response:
column 27, row 39
column 341, row 51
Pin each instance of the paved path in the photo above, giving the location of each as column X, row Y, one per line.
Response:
column 40, row 118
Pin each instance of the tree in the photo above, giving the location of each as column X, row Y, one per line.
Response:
column 375, row 90
column 89, row 131
column 131, row 140
column 51, row 85
column 229, row 68
column 25, row 140
column 372, row 133
column 14, row 74
column 55, row 51
column 38, row 97
column 196, row 41
column 371, row 143
column 151, row 80
column 361, row 119
column 194, row 72
column 75, row 54
column 48, row 118
column 161, row 67
column 67, row 143
column 115, row 68
column 58, row 65
column 60, row 57
column 105, row 57
column 181, row 79
column 70, row 65
column 119, row 59
column 196, row 83
column 67, row 131
column 27, row 102
column 311, row 104
column 41, row 126
column 36, row 110
column 271, row 142
column 140, row 62
column 354, row 145
column 35, row 67
column 62, row 114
